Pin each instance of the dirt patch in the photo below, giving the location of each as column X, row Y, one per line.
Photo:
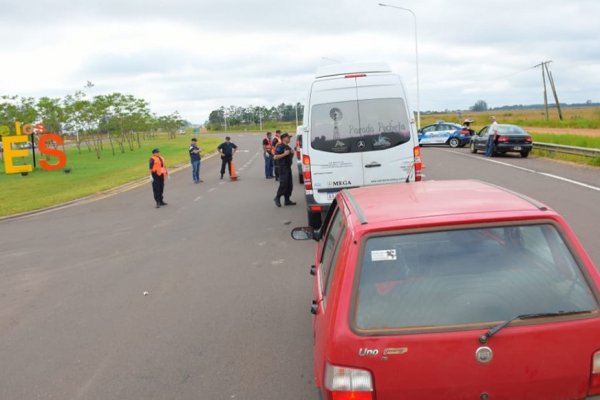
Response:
column 563, row 131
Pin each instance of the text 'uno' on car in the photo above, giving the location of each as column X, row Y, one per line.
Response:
column 452, row 290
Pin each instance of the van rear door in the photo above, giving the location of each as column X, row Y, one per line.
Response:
column 387, row 139
column 335, row 159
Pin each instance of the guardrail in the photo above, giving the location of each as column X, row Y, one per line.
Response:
column 559, row 148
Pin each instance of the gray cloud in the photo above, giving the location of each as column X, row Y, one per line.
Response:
column 198, row 55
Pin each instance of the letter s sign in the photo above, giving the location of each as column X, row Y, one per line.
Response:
column 44, row 149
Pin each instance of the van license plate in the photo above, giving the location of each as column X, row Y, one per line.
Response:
column 331, row 195
column 517, row 148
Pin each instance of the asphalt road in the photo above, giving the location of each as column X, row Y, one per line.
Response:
column 227, row 314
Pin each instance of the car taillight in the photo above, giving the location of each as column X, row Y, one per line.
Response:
column 316, row 208
column 418, row 164
column 595, row 375
column 528, row 139
column 306, row 172
column 348, row 383
column 503, row 139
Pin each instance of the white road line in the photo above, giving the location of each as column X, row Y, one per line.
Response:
column 198, row 198
column 557, row 177
column 211, row 190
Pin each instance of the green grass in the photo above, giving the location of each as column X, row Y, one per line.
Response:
column 594, row 162
column 568, row 140
column 90, row 175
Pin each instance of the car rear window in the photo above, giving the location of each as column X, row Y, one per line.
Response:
column 510, row 130
column 357, row 126
column 468, row 276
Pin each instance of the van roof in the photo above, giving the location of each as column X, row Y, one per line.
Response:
column 352, row 68
column 453, row 200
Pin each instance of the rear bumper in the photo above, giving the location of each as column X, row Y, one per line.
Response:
column 509, row 147
column 311, row 202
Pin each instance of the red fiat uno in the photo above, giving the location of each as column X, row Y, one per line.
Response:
column 452, row 290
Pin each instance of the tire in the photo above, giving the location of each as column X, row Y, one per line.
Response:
column 524, row 154
column 453, row 142
column 314, row 220
column 473, row 148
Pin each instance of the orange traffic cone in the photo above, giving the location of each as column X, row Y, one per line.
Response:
column 233, row 176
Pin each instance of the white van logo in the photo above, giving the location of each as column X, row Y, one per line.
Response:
column 364, row 352
column 340, row 183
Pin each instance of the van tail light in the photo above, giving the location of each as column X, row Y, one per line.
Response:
column 418, row 164
column 348, row 383
column 503, row 139
column 316, row 208
column 595, row 375
column 306, row 172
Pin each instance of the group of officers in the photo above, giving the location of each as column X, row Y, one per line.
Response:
column 278, row 155
column 279, row 158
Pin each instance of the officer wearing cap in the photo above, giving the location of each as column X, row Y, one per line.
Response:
column 284, row 156
column 158, row 171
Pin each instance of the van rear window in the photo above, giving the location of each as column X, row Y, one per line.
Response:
column 469, row 276
column 357, row 126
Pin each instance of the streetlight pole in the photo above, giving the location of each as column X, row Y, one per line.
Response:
column 416, row 56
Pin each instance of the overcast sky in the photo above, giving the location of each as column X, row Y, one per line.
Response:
column 194, row 56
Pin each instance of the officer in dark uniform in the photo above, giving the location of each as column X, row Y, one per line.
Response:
column 284, row 155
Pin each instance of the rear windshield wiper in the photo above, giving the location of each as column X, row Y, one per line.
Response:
column 484, row 338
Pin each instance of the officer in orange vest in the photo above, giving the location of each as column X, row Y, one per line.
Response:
column 158, row 171
column 276, row 142
column 267, row 144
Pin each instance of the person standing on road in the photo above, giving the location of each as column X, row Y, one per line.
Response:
column 268, row 155
column 158, row 171
column 195, row 160
column 284, row 155
column 227, row 150
column 276, row 142
column 492, row 134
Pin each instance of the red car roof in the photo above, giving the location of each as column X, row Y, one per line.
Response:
column 465, row 199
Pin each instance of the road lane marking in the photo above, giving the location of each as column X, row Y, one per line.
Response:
column 198, row 198
column 533, row 171
column 211, row 190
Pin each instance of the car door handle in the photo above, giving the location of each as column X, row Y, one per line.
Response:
column 373, row 165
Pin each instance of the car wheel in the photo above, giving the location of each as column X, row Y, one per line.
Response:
column 453, row 142
column 524, row 154
column 473, row 148
column 314, row 220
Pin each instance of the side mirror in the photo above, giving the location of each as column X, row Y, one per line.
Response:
column 303, row 233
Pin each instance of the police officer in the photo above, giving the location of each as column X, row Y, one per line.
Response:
column 227, row 150
column 158, row 171
column 276, row 142
column 284, row 155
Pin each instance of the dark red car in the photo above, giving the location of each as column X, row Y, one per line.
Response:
column 452, row 290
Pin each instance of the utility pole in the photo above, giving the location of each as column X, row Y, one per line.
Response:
column 551, row 79
column 544, row 81
column 545, row 69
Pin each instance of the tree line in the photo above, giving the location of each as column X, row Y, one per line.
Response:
column 118, row 120
column 253, row 116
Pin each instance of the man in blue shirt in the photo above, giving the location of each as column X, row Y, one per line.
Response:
column 227, row 150
column 195, row 160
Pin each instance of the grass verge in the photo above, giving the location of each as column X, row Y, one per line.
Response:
column 90, row 175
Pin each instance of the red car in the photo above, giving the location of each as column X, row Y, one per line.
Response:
column 452, row 290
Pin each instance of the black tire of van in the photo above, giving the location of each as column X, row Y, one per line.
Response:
column 314, row 220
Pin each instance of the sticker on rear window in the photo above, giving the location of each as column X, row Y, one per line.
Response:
column 383, row 255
